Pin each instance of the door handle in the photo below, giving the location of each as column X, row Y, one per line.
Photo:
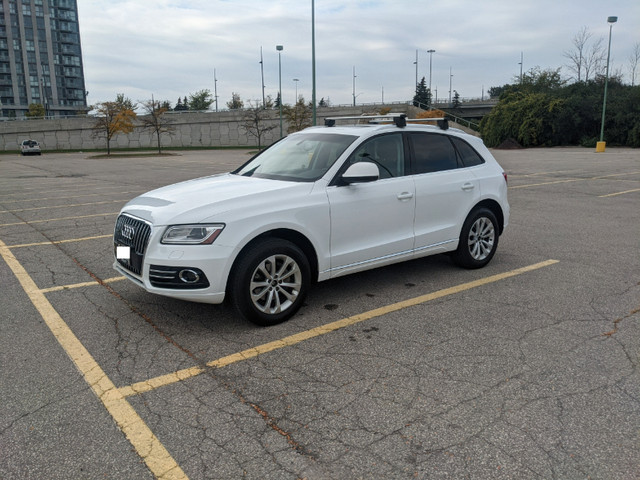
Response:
column 405, row 196
column 467, row 187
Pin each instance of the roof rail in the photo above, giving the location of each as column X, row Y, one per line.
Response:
column 399, row 119
column 442, row 122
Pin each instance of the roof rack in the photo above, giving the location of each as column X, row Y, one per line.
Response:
column 399, row 119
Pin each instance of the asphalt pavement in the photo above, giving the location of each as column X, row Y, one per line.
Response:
column 525, row 369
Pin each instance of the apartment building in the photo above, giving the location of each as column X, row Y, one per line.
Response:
column 40, row 58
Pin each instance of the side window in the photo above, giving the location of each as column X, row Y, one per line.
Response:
column 432, row 152
column 469, row 157
column 386, row 151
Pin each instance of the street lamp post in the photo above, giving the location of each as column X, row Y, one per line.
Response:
column 279, row 48
column 430, row 52
column 215, row 88
column 450, row 82
column 296, row 80
column 600, row 146
column 313, row 61
column 354, row 86
column 262, row 73
column 521, row 62
column 416, row 64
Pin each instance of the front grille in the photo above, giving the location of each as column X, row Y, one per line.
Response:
column 134, row 233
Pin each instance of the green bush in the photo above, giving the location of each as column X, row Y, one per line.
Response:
column 543, row 111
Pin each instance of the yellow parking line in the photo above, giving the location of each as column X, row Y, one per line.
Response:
column 153, row 383
column 58, row 219
column 154, row 454
column 615, row 175
column 548, row 183
column 70, row 196
column 619, row 193
column 79, row 285
column 573, row 180
column 40, row 191
column 58, row 242
column 61, row 206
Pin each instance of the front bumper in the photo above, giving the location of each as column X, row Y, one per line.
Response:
column 210, row 263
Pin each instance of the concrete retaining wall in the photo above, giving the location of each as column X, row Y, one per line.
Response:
column 192, row 129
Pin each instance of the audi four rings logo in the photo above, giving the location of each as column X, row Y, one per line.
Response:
column 128, row 231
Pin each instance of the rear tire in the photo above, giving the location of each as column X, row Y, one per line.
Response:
column 478, row 239
column 269, row 283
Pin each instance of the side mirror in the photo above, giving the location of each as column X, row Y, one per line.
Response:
column 361, row 172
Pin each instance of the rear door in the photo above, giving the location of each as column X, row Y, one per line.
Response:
column 446, row 190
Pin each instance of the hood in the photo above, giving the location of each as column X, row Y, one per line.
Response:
column 206, row 199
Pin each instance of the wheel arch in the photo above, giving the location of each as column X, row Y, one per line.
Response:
column 293, row 236
column 495, row 208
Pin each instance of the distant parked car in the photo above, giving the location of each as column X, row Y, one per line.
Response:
column 30, row 147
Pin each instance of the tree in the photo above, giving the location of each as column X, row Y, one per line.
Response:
column 235, row 103
column 201, row 100
column 268, row 103
column 495, row 92
column 276, row 104
column 634, row 58
column 324, row 103
column 299, row 116
column 254, row 121
column 578, row 54
column 112, row 118
column 155, row 121
column 36, row 110
column 422, row 98
column 125, row 103
column 456, row 99
column 180, row 107
column 596, row 60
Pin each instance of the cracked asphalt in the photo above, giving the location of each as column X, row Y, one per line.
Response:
column 526, row 369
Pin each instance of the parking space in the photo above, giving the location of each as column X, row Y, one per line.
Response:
column 524, row 369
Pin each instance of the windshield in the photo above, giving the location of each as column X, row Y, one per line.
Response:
column 303, row 157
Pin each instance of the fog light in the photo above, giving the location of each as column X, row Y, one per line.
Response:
column 189, row 276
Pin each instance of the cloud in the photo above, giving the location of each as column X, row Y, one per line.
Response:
column 169, row 48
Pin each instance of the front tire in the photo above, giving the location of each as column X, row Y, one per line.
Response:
column 478, row 239
column 269, row 283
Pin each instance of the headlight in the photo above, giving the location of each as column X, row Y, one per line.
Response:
column 192, row 234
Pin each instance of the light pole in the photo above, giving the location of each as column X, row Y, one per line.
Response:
column 416, row 64
column 354, row 86
column 262, row 73
column 279, row 48
column 296, row 80
column 600, row 146
column 450, row 82
column 313, row 61
column 521, row 62
column 215, row 88
column 430, row 52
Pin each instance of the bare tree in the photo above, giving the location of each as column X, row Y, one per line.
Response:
column 596, row 60
column 586, row 61
column 155, row 121
column 577, row 55
column 634, row 59
column 254, row 121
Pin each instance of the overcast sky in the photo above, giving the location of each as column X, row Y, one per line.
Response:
column 170, row 48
